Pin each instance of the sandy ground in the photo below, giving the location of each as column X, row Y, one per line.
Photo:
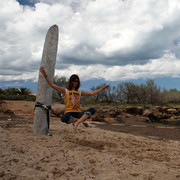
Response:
column 90, row 153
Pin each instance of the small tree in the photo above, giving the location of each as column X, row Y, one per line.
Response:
column 127, row 92
column 2, row 91
column 24, row 91
column 171, row 96
column 11, row 91
column 102, row 96
column 154, row 93
column 142, row 94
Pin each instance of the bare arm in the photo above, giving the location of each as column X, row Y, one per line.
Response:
column 54, row 86
column 84, row 93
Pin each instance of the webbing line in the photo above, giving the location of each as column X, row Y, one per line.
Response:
column 47, row 108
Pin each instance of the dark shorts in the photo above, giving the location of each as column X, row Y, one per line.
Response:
column 67, row 118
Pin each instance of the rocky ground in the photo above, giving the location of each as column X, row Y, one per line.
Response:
column 154, row 122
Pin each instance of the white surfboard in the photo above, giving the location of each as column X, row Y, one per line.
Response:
column 44, row 91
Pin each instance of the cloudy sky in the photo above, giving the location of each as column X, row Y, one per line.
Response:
column 110, row 41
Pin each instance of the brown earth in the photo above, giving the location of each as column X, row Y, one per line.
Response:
column 91, row 153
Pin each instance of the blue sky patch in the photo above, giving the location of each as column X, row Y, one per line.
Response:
column 27, row 2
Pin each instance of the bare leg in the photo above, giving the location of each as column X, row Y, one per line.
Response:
column 82, row 119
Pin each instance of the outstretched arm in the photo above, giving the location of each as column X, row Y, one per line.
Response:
column 54, row 86
column 84, row 93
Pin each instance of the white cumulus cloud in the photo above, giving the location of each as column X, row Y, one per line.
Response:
column 112, row 39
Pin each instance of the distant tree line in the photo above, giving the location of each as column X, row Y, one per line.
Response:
column 129, row 93
column 22, row 93
column 125, row 93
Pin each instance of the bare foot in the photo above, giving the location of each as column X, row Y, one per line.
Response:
column 75, row 126
column 86, row 124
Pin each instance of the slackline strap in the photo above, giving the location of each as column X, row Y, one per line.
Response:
column 47, row 108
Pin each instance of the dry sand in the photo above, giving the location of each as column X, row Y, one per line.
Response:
column 90, row 153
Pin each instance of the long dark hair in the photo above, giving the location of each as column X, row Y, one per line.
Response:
column 70, row 83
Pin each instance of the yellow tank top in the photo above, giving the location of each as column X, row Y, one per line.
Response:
column 72, row 101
